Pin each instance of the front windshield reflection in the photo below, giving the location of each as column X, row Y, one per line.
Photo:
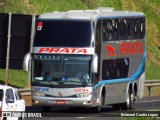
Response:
column 66, row 70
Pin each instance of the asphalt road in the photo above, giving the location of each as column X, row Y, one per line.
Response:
column 108, row 113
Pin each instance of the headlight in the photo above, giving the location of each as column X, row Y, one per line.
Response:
column 83, row 94
column 38, row 94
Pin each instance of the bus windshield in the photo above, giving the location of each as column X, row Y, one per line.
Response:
column 61, row 70
column 62, row 33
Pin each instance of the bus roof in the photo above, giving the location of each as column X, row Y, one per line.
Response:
column 90, row 14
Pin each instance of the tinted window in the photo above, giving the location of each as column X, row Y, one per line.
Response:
column 63, row 33
column 123, row 29
column 9, row 94
column 115, row 68
column 62, row 70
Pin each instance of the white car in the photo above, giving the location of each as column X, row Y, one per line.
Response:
column 10, row 102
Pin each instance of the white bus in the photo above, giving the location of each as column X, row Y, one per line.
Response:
column 88, row 58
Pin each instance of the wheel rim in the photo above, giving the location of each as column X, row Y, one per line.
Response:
column 100, row 104
column 130, row 100
column 133, row 98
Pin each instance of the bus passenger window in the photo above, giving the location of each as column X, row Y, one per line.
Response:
column 107, row 30
column 139, row 28
column 130, row 29
column 142, row 28
column 114, row 31
column 115, row 68
column 123, row 29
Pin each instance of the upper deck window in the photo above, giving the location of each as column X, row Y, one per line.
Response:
column 123, row 29
column 63, row 33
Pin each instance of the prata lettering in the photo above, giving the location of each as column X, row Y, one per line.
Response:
column 131, row 48
column 63, row 50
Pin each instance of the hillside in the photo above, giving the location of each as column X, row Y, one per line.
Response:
column 151, row 9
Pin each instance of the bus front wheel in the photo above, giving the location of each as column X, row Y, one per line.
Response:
column 99, row 108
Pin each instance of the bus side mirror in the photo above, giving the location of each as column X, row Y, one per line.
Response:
column 95, row 64
column 26, row 62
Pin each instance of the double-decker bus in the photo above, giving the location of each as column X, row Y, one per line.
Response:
column 88, row 58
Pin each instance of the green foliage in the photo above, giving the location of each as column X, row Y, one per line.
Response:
column 17, row 78
column 43, row 6
column 14, row 6
column 116, row 4
column 91, row 4
column 151, row 9
column 152, row 71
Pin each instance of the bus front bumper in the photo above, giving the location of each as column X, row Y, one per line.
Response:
column 69, row 102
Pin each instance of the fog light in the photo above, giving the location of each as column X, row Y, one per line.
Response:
column 35, row 101
column 89, row 102
column 83, row 94
column 84, row 103
column 38, row 94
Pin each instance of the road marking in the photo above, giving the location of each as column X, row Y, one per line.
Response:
column 88, row 116
column 148, row 101
column 81, row 117
column 154, row 110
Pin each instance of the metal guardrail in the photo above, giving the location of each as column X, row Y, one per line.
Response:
column 148, row 83
column 25, row 91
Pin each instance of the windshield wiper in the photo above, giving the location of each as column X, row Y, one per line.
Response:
column 51, row 84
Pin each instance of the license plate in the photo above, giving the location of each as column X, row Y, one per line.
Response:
column 60, row 101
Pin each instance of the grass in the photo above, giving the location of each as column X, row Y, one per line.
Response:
column 151, row 9
column 155, row 91
column 39, row 6
column 17, row 78
column 14, row 6
column 152, row 71
column 153, row 28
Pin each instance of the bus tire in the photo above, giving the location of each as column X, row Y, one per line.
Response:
column 46, row 109
column 99, row 108
column 128, row 105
